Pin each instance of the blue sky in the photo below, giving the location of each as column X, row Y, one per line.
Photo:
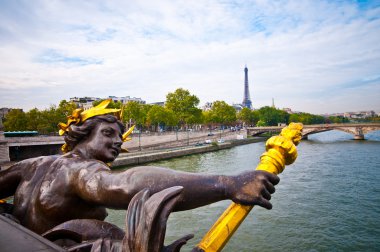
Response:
column 311, row 56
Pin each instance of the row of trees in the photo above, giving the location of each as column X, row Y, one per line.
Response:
column 180, row 110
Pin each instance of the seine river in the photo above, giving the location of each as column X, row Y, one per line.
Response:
column 328, row 200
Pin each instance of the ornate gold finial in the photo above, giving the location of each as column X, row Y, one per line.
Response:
column 80, row 115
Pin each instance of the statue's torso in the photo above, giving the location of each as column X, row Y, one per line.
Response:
column 45, row 197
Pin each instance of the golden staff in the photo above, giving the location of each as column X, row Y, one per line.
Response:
column 280, row 151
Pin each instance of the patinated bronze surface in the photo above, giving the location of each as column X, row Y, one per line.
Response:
column 49, row 191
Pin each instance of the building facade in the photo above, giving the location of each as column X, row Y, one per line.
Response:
column 86, row 102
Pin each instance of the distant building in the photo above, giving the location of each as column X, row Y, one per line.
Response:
column 207, row 106
column 359, row 115
column 237, row 107
column 162, row 104
column 86, row 102
column 288, row 110
column 5, row 111
column 126, row 99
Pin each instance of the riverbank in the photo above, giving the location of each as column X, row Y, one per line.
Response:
column 142, row 157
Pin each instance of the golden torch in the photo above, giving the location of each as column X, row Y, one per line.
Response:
column 280, row 151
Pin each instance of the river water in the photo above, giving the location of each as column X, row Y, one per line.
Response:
column 328, row 200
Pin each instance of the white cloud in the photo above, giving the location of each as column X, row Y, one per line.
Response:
column 304, row 54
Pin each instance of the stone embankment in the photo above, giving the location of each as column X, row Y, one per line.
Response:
column 142, row 157
column 154, row 140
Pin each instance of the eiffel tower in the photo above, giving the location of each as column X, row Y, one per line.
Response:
column 247, row 99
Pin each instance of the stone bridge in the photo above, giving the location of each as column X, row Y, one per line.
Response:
column 356, row 129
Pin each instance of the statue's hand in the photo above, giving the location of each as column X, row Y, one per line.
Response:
column 254, row 188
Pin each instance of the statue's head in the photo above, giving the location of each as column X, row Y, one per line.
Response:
column 98, row 132
column 100, row 137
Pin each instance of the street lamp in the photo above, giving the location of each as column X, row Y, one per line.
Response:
column 140, row 139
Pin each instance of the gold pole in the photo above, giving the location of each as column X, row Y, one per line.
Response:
column 280, row 151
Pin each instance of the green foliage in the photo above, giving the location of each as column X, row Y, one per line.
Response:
column 272, row 116
column 221, row 113
column 61, row 113
column 44, row 121
column 261, row 124
column 214, row 143
column 15, row 120
column 34, row 118
column 135, row 112
column 336, row 119
column 374, row 119
column 206, row 117
column 306, row 118
column 160, row 116
column 249, row 117
column 184, row 106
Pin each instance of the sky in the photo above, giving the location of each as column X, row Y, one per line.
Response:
column 311, row 56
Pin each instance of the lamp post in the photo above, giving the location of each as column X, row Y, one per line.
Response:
column 140, row 139
column 187, row 136
column 176, row 132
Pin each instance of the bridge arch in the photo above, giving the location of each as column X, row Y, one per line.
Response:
column 358, row 130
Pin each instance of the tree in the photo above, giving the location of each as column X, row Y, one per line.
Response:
column 306, row 118
column 272, row 116
column 15, row 120
column 184, row 105
column 135, row 113
column 261, row 124
column 33, row 118
column 161, row 117
column 49, row 120
column 248, row 116
column 66, row 108
column 222, row 113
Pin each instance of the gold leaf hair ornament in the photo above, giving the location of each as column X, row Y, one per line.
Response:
column 80, row 115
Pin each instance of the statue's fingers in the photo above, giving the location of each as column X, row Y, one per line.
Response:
column 266, row 195
column 264, row 203
column 270, row 187
column 273, row 178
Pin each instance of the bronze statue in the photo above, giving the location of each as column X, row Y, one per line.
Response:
column 52, row 190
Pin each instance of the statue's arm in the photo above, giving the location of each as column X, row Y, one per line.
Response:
column 116, row 189
column 10, row 179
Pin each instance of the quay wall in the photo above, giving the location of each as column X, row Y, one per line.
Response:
column 142, row 158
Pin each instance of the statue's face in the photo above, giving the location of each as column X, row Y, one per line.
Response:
column 104, row 142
